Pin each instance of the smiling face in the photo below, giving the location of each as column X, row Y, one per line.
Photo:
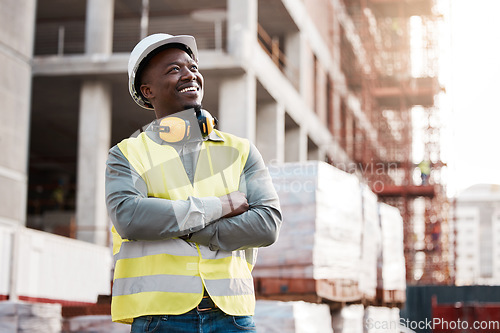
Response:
column 171, row 82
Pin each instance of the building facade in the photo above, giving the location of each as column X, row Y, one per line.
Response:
column 304, row 80
column 476, row 234
column 16, row 53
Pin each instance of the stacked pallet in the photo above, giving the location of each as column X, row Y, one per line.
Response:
column 370, row 245
column 371, row 319
column 292, row 317
column 391, row 284
column 93, row 324
column 47, row 267
column 319, row 249
column 30, row 317
column 349, row 319
column 338, row 245
column 6, row 241
column 379, row 319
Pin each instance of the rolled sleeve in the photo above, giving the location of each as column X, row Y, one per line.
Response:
column 213, row 209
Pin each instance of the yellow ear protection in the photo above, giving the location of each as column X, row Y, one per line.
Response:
column 206, row 122
column 175, row 129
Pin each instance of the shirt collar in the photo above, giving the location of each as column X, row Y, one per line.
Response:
column 214, row 136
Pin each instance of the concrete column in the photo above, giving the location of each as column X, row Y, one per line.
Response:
column 293, row 48
column 270, row 138
column 93, row 145
column 337, row 39
column 301, row 60
column 316, row 154
column 17, row 20
column 349, row 134
column 237, row 105
column 237, row 95
column 94, row 134
column 241, row 28
column 336, row 116
column 99, row 27
column 320, row 93
column 295, row 145
column 308, row 76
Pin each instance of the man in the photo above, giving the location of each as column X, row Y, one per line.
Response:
column 425, row 171
column 189, row 204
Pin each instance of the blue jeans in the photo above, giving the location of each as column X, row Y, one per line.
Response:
column 194, row 321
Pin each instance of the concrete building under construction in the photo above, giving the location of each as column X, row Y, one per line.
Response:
column 328, row 80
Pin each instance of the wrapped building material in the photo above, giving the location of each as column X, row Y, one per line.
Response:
column 348, row 319
column 380, row 319
column 292, row 317
column 30, row 317
column 6, row 235
column 51, row 267
column 370, row 244
column 321, row 232
column 392, row 271
column 93, row 324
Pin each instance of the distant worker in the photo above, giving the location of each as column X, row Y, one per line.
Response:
column 425, row 171
column 190, row 205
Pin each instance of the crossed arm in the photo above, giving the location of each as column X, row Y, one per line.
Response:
column 243, row 219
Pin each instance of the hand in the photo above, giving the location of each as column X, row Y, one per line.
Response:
column 234, row 204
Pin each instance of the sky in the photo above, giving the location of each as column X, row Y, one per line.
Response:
column 470, row 109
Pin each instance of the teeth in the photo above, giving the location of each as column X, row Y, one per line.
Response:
column 189, row 89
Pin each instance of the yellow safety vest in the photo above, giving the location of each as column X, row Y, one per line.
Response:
column 168, row 276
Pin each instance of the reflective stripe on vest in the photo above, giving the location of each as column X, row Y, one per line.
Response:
column 167, row 276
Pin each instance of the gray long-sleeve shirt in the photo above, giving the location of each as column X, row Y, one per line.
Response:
column 139, row 217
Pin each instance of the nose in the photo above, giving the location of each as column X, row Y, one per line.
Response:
column 188, row 75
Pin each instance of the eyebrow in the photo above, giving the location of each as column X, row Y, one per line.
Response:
column 181, row 62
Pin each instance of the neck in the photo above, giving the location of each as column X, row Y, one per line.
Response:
column 164, row 113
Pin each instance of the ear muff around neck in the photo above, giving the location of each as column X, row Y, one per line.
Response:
column 173, row 129
column 206, row 122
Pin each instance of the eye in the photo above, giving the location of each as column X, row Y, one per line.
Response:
column 194, row 68
column 173, row 69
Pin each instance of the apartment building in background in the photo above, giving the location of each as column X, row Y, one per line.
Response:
column 476, row 230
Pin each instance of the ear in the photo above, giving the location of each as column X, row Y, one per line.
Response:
column 146, row 91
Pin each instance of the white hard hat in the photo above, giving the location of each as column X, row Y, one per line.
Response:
column 144, row 48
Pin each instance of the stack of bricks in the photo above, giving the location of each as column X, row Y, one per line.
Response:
column 391, row 284
column 318, row 253
column 337, row 242
column 338, row 246
column 371, row 245
column 292, row 317
column 18, row 316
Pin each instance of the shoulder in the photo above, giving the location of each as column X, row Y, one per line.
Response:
column 133, row 141
column 233, row 140
column 228, row 136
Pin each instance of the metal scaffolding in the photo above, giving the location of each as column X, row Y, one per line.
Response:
column 402, row 63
